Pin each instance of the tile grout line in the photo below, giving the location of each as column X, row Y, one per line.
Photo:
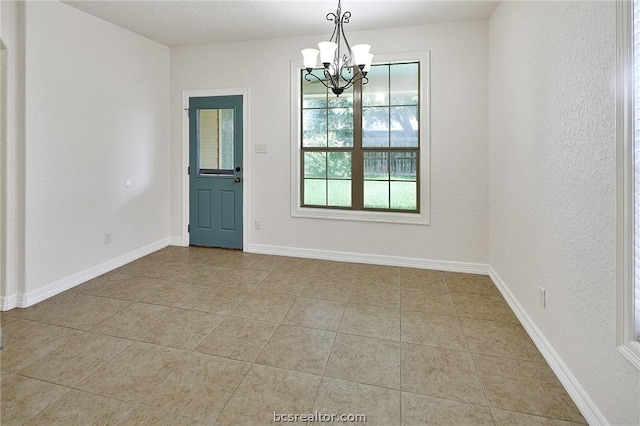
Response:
column 400, row 360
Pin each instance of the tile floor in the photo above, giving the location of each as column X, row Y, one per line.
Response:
column 209, row 336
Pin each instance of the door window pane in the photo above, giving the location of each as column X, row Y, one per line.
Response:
column 216, row 140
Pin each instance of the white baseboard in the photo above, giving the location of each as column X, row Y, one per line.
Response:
column 177, row 241
column 8, row 302
column 28, row 299
column 376, row 259
column 580, row 397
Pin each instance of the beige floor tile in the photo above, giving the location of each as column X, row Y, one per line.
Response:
column 510, row 418
column 431, row 301
column 74, row 361
column 96, row 285
column 441, row 373
column 183, row 329
column 298, row 348
column 381, row 406
column 315, row 313
column 426, row 410
column 433, row 330
column 258, row 262
column 170, row 270
column 499, row 339
column 376, row 293
column 342, row 270
column 134, row 288
column 422, row 279
column 283, row 283
column 185, row 383
column 21, row 398
column 134, row 321
column 74, row 310
column 297, row 265
column 139, row 369
column 175, row 294
column 27, row 341
column 238, row 338
column 82, row 408
column 527, row 387
column 266, row 390
column 204, row 274
column 265, row 307
column 143, row 267
column 366, row 271
column 492, row 308
column 217, row 299
column 365, row 360
column 371, row 321
column 337, row 289
column 182, row 254
column 147, row 416
column 365, row 280
column 245, row 279
column 471, row 283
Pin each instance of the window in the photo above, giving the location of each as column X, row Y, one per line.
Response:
column 628, row 182
column 362, row 155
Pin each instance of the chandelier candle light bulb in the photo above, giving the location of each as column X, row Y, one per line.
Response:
column 343, row 65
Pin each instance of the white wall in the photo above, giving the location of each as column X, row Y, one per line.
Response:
column 459, row 208
column 96, row 114
column 552, row 186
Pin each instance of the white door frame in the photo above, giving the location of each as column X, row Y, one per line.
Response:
column 246, row 170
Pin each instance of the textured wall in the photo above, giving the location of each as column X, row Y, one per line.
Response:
column 96, row 115
column 459, row 206
column 552, row 185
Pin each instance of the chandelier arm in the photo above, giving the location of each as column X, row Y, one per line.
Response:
column 353, row 80
column 317, row 78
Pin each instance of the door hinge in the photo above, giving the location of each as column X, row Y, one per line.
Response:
column 188, row 112
column 188, row 228
column 188, row 170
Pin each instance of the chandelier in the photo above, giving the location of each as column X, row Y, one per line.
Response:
column 344, row 65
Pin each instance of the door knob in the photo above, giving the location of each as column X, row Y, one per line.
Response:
column 236, row 180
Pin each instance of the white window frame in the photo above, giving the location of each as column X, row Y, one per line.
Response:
column 422, row 218
column 626, row 336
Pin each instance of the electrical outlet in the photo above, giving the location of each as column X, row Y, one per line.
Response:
column 107, row 238
column 542, row 297
column 261, row 148
column 257, row 224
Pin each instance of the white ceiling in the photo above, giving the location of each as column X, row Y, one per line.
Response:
column 191, row 22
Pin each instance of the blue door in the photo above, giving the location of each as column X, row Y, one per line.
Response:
column 215, row 171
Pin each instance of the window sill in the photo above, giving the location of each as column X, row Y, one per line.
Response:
column 631, row 351
column 361, row 216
